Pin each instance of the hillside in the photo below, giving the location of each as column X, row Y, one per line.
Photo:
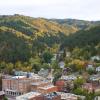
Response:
column 22, row 37
column 35, row 26
column 83, row 38
column 12, row 47
column 79, row 24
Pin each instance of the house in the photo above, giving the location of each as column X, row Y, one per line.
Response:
column 68, row 77
column 61, row 64
column 97, row 98
column 2, row 94
column 91, row 87
column 98, row 69
column 88, row 86
column 95, row 58
column 95, row 78
column 43, row 72
column 54, row 57
column 90, row 67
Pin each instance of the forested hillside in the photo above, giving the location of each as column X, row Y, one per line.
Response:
column 79, row 24
column 27, row 41
column 84, row 43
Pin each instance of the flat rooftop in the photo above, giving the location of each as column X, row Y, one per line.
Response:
column 68, row 96
column 28, row 96
column 47, row 87
column 39, row 83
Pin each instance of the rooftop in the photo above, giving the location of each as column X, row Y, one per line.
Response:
column 68, row 96
column 51, row 95
column 28, row 96
column 47, row 87
column 39, row 83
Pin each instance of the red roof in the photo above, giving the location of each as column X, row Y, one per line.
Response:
column 60, row 82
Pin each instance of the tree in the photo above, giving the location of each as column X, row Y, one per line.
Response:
column 35, row 63
column 18, row 65
column 80, row 91
column 9, row 68
column 5, row 98
column 47, row 56
column 78, row 82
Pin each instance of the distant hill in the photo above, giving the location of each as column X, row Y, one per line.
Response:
column 79, row 24
column 83, row 38
column 22, row 36
column 35, row 26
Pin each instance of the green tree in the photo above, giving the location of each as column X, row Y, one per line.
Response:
column 47, row 56
column 9, row 68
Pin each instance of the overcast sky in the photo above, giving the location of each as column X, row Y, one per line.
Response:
column 79, row 9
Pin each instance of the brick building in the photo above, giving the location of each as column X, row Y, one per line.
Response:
column 47, row 89
column 39, row 96
column 35, row 85
column 18, row 85
column 64, row 85
column 30, row 96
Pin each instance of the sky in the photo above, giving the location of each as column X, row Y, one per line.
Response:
column 78, row 9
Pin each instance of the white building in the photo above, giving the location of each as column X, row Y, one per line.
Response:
column 98, row 69
column 69, row 77
column 97, row 98
column 61, row 64
column 95, row 58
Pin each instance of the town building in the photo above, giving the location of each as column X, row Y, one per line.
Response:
column 18, row 85
column 64, row 86
column 52, row 96
column 68, row 96
column 91, row 87
column 30, row 96
column 36, row 85
column 98, row 69
column 39, row 96
column 47, row 89
column 97, row 98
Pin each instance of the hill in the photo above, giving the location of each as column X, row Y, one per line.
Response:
column 84, row 38
column 22, row 37
column 79, row 24
column 35, row 26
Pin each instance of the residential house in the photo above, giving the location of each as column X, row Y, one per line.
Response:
column 98, row 69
